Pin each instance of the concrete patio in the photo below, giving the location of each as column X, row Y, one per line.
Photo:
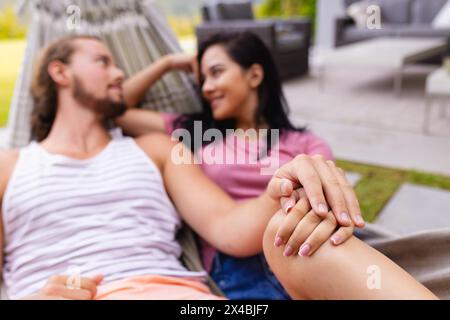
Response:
column 416, row 208
column 363, row 120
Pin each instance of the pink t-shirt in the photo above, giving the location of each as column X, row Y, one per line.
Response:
column 243, row 177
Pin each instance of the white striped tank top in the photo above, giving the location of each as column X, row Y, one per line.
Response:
column 109, row 214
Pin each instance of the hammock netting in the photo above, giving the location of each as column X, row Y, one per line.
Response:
column 137, row 33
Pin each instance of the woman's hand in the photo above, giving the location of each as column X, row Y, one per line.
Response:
column 182, row 62
column 303, row 231
column 325, row 186
column 65, row 288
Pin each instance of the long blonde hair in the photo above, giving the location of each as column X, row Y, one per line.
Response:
column 44, row 89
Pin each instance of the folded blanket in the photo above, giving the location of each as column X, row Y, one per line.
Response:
column 425, row 255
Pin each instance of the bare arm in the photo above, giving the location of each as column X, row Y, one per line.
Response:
column 136, row 122
column 233, row 228
column 7, row 162
column 135, row 87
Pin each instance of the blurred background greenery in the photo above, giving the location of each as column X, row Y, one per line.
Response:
column 10, row 27
column 287, row 9
column 12, row 45
column 184, row 16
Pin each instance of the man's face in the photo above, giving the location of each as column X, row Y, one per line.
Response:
column 96, row 81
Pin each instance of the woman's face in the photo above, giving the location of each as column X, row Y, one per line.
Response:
column 227, row 87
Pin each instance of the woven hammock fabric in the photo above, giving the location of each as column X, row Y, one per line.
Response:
column 137, row 33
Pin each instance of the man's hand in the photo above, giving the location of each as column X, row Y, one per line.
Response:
column 325, row 186
column 59, row 287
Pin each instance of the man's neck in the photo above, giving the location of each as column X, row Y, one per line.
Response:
column 76, row 132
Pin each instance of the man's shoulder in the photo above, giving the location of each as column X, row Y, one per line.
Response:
column 8, row 159
column 155, row 138
column 157, row 146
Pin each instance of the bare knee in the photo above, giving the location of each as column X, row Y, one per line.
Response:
column 277, row 262
column 306, row 277
column 316, row 277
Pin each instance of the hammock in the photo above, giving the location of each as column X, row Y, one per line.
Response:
column 137, row 33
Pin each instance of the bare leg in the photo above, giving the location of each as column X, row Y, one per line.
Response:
column 342, row 272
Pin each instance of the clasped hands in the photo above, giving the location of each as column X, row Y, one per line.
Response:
column 319, row 203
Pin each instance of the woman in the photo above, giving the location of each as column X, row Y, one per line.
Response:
column 241, row 89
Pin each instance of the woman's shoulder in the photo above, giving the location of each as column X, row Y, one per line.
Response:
column 306, row 142
column 170, row 119
column 8, row 160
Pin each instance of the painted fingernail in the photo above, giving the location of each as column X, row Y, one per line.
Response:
column 359, row 219
column 304, row 250
column 288, row 205
column 285, row 187
column 288, row 251
column 323, row 208
column 345, row 217
column 336, row 239
column 278, row 241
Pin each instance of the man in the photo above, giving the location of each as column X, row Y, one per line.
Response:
column 82, row 199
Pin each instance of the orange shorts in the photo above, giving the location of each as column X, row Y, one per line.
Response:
column 155, row 288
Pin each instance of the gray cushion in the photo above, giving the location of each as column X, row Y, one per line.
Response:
column 424, row 11
column 287, row 38
column 291, row 41
column 210, row 13
column 353, row 34
column 424, row 30
column 347, row 3
column 241, row 10
column 394, row 11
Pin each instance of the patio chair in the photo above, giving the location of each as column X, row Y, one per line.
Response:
column 288, row 40
column 137, row 34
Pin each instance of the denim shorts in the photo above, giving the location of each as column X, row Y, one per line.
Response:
column 246, row 278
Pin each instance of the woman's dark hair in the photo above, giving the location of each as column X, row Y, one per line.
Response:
column 246, row 49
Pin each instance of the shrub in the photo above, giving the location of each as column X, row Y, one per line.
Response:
column 10, row 27
column 184, row 26
column 288, row 8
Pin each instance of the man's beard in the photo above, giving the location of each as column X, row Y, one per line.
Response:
column 106, row 108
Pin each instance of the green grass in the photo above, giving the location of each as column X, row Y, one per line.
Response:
column 378, row 184
column 11, row 54
column 184, row 26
